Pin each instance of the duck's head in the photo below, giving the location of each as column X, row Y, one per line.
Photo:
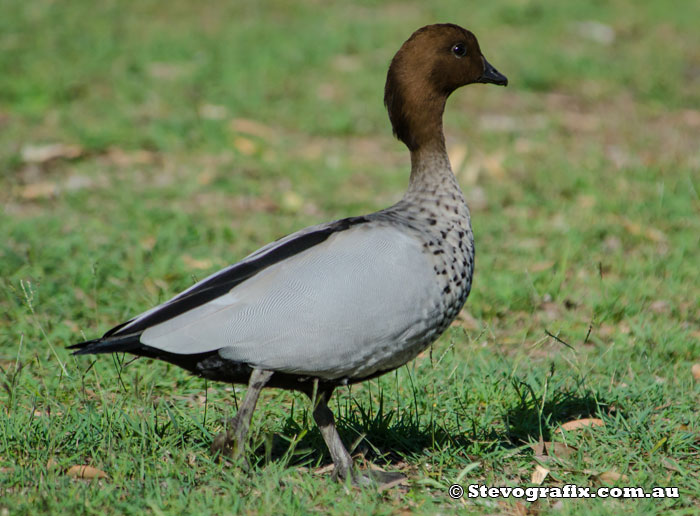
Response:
column 431, row 64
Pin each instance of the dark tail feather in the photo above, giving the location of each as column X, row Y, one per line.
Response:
column 131, row 343
column 111, row 344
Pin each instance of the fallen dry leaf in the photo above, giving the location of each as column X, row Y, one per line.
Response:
column 123, row 158
column 84, row 471
column 373, row 466
column 39, row 190
column 244, row 145
column 252, row 127
column 696, row 371
column 539, row 474
column 43, row 153
column 552, row 449
column 581, row 423
column 612, row 476
column 323, row 469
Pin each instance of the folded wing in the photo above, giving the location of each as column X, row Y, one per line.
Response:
column 341, row 307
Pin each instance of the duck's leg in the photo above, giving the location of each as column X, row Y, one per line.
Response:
column 232, row 442
column 326, row 424
column 341, row 458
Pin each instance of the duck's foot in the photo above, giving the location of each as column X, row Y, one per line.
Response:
column 380, row 480
column 344, row 468
column 225, row 445
column 232, row 442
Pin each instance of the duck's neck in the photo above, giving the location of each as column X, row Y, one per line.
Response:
column 430, row 167
column 418, row 123
column 416, row 117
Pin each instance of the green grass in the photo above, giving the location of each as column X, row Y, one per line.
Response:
column 583, row 180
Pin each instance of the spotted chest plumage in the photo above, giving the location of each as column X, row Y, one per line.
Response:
column 440, row 218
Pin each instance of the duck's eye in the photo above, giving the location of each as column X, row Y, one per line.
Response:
column 459, row 50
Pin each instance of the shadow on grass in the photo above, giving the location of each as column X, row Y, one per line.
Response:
column 530, row 419
column 389, row 437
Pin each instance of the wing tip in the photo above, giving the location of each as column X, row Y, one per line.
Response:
column 106, row 345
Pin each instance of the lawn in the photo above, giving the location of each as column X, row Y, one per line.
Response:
column 144, row 145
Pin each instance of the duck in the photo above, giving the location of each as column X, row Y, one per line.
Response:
column 345, row 301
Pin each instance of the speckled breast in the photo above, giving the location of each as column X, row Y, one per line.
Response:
column 441, row 219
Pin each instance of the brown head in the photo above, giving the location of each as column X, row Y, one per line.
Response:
column 431, row 64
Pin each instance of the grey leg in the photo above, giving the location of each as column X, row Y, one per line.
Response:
column 232, row 442
column 341, row 458
column 326, row 424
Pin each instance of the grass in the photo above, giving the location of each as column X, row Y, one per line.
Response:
column 199, row 133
